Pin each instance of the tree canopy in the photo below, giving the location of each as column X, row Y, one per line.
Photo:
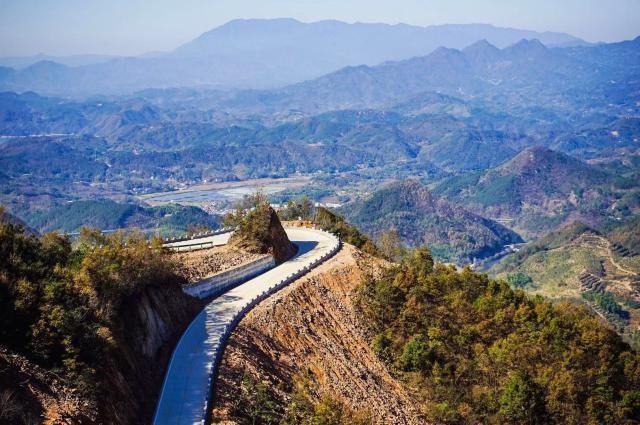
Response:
column 473, row 350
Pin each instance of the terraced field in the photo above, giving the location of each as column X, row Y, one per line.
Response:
column 587, row 268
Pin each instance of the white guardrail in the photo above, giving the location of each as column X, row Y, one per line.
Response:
column 228, row 279
column 219, row 351
column 200, row 240
column 220, row 344
column 199, row 235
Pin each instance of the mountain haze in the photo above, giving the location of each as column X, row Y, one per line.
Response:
column 259, row 53
column 521, row 73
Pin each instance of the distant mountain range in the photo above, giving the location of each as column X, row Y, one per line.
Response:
column 457, row 115
column 20, row 62
column 521, row 74
column 254, row 53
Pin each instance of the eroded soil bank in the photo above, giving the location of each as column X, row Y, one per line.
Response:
column 312, row 328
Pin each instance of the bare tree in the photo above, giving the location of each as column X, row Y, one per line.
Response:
column 391, row 246
column 9, row 407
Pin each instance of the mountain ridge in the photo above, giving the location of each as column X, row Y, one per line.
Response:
column 536, row 190
column 257, row 54
column 457, row 73
column 423, row 218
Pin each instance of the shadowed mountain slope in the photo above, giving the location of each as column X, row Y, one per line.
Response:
column 422, row 218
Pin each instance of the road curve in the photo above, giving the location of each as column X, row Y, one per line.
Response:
column 187, row 385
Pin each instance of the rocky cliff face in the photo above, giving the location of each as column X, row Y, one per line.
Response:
column 311, row 327
column 151, row 323
column 149, row 326
column 281, row 247
column 261, row 232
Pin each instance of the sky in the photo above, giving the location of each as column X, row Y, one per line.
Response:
column 132, row 27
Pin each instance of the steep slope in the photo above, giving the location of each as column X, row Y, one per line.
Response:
column 311, row 328
column 40, row 396
column 457, row 339
column 150, row 325
column 91, row 319
column 420, row 343
column 534, row 192
column 422, row 218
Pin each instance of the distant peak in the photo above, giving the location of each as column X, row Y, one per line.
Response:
column 46, row 64
column 235, row 22
column 257, row 23
column 414, row 187
column 444, row 52
column 528, row 44
column 535, row 155
column 538, row 152
column 482, row 52
column 538, row 149
column 480, row 45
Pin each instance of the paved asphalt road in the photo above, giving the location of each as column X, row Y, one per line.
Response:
column 186, row 386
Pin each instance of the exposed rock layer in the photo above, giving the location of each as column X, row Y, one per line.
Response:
column 262, row 234
column 151, row 323
column 312, row 326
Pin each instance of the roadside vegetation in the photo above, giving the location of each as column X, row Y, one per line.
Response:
column 473, row 350
column 256, row 405
column 388, row 244
column 258, row 229
column 251, row 220
column 60, row 304
column 335, row 223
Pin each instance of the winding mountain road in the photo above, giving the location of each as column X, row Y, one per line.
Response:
column 187, row 388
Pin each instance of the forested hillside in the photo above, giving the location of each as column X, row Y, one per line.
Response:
column 420, row 218
column 111, row 215
column 582, row 264
column 540, row 190
column 473, row 350
column 90, row 319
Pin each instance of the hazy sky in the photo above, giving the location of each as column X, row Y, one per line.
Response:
column 128, row 27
